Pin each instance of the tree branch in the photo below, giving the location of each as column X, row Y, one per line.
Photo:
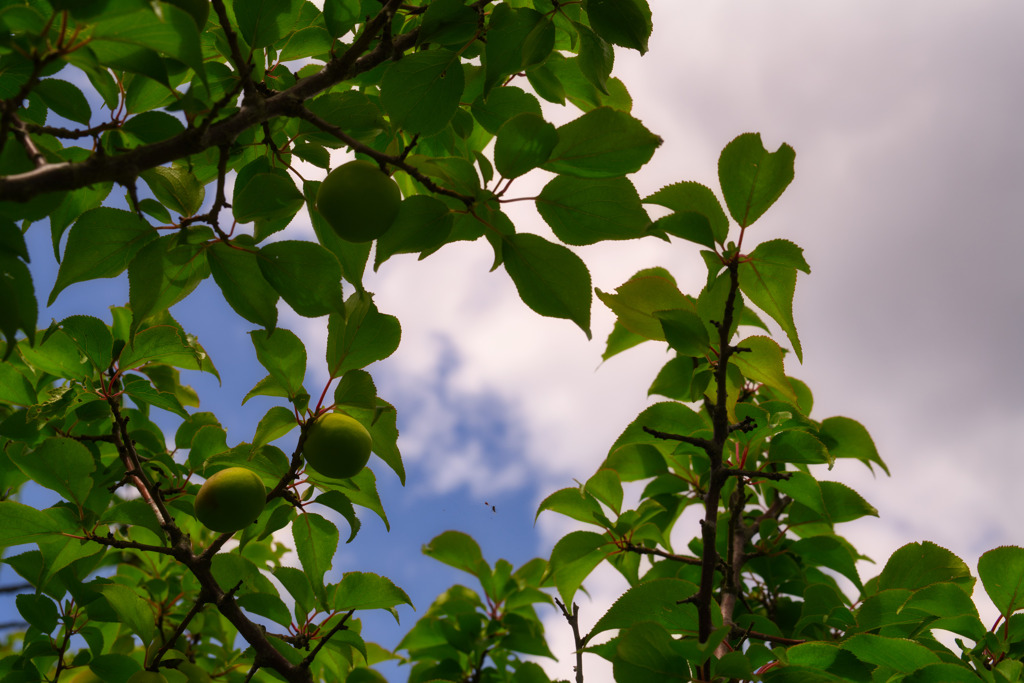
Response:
column 124, row 168
column 581, row 642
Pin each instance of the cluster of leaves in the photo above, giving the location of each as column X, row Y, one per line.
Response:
column 218, row 116
column 736, row 441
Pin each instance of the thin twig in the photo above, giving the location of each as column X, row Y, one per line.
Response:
column 581, row 642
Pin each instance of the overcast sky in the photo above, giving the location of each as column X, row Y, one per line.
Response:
column 910, row 159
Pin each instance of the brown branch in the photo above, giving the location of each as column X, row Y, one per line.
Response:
column 692, row 440
column 380, row 157
column 69, row 133
column 133, row 470
column 738, row 632
column 340, row 626
column 17, row 588
column 242, row 65
column 35, row 155
column 719, row 473
column 123, row 168
column 757, row 474
column 581, row 642
column 178, row 632
column 641, row 550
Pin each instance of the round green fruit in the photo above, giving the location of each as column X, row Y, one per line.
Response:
column 358, row 201
column 337, row 446
column 231, row 499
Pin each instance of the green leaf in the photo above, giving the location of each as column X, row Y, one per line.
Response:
column 685, row 332
column 752, row 178
column 587, row 210
column 57, row 355
column 1001, row 571
column 284, row 356
column 597, row 57
column 550, row 278
column 799, row 447
column 356, row 389
column 298, row 586
column 277, row 422
column 458, row 550
column 360, row 116
column 263, row 22
column 362, row 490
column 307, row 276
column 143, row 393
column 38, row 610
column 316, row 541
column 266, row 605
column 659, row 600
column 61, row 465
column 768, row 279
column 674, row 380
column 131, row 610
column 364, row 337
column 828, row 551
column 697, row 216
column 620, row 339
column 128, row 41
column 606, row 486
column 448, row 22
column 421, row 91
column 362, row 590
column 339, row 502
column 313, row 153
column 917, row 565
column 763, row 363
column 176, row 187
column 311, row 41
column 341, row 16
column 64, row 99
column 843, row 503
column 23, row 524
column 943, row 673
column 636, row 301
column 516, row 38
column 524, row 142
column 501, row 104
column 163, row 273
column 20, row 310
column 602, row 143
column 15, row 387
column 92, row 337
column 575, row 502
column 423, row 225
column 162, row 344
column 894, row 653
column 847, row 438
column 100, row 245
column 573, row 558
column 622, row 22
column 266, row 197
column 646, row 652
column 955, row 610
column 236, row 271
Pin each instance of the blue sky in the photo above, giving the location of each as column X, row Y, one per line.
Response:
column 910, row 161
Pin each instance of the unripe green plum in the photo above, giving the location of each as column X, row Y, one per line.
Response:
column 147, row 677
column 231, row 499
column 337, row 446
column 358, row 201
